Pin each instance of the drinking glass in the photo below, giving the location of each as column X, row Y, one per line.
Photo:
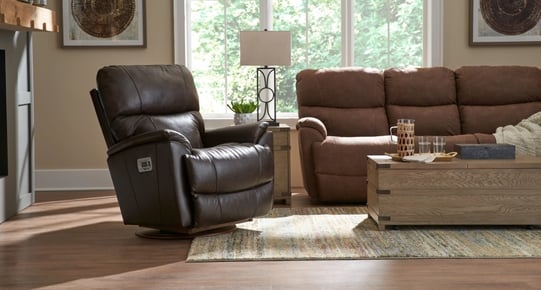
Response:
column 438, row 144
column 425, row 142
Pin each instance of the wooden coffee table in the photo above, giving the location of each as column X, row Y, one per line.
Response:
column 456, row 192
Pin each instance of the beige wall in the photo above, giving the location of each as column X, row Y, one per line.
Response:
column 457, row 52
column 67, row 132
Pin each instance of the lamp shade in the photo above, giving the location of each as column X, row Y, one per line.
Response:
column 265, row 48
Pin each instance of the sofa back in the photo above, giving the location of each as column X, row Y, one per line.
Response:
column 426, row 95
column 494, row 96
column 349, row 101
column 474, row 99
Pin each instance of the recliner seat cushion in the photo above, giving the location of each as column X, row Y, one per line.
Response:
column 229, row 168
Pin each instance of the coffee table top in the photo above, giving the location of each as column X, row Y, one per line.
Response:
column 384, row 161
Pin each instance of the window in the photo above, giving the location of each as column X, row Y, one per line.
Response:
column 325, row 33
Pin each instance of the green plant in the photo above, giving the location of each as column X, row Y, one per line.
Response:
column 242, row 106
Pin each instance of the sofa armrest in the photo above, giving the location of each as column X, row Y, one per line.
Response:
column 313, row 123
column 148, row 138
column 311, row 133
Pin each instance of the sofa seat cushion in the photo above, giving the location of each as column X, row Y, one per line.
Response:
column 480, row 138
column 340, row 166
column 347, row 155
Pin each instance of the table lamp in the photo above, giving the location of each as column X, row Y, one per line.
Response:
column 265, row 49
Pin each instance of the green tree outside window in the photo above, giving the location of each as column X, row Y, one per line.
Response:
column 387, row 33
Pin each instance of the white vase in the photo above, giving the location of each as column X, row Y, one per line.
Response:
column 243, row 118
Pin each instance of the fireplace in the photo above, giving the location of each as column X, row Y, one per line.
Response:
column 3, row 117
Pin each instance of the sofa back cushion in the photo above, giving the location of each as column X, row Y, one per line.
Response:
column 494, row 96
column 427, row 95
column 349, row 101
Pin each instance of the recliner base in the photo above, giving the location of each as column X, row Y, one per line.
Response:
column 168, row 235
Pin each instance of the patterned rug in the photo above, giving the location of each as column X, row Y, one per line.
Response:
column 348, row 233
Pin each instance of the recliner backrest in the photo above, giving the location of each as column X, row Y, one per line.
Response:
column 143, row 98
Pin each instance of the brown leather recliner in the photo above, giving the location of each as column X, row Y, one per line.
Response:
column 169, row 173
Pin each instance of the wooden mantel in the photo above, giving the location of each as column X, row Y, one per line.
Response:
column 16, row 15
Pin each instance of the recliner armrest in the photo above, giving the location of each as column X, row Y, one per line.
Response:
column 245, row 133
column 150, row 137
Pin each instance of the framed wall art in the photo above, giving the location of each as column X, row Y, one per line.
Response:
column 103, row 23
column 505, row 22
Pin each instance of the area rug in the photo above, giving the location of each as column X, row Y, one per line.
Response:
column 348, row 233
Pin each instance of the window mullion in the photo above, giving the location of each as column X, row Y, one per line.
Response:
column 432, row 32
column 226, row 59
column 388, row 16
column 347, row 33
column 306, row 34
column 182, row 32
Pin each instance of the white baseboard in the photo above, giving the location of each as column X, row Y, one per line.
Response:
column 73, row 179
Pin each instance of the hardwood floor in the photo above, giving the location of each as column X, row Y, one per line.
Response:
column 76, row 240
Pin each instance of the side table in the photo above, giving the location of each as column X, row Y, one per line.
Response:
column 282, row 175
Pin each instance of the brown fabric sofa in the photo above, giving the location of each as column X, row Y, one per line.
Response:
column 345, row 114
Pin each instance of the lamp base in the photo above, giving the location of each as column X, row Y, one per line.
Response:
column 266, row 95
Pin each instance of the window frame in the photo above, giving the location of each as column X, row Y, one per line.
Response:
column 432, row 43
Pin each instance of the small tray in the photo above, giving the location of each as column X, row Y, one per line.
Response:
column 439, row 157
